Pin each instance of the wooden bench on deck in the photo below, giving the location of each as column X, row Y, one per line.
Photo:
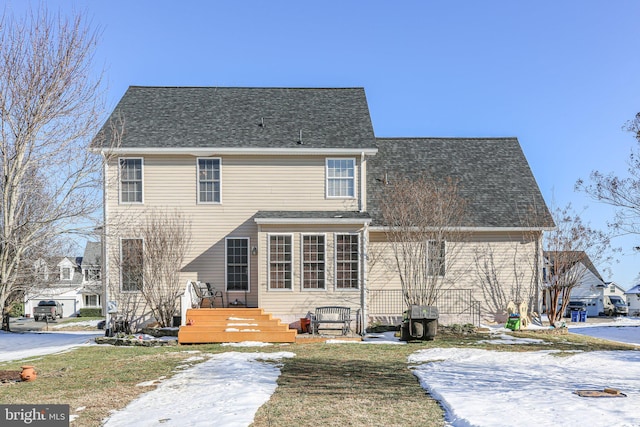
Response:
column 332, row 318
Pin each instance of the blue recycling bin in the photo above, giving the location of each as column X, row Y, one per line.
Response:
column 583, row 316
column 575, row 316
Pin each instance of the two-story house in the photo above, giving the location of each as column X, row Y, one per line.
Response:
column 282, row 189
column 74, row 282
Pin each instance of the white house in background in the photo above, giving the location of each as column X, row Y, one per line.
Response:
column 74, row 282
column 591, row 285
column 633, row 300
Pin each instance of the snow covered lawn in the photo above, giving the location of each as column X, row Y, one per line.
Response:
column 476, row 387
column 489, row 388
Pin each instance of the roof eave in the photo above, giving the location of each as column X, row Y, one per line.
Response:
column 296, row 221
column 479, row 229
column 256, row 151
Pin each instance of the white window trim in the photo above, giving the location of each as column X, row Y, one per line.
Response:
column 302, row 288
column 292, row 262
column 335, row 263
column 141, row 202
column 226, row 265
column 219, row 159
column 121, row 288
column 326, row 178
column 62, row 269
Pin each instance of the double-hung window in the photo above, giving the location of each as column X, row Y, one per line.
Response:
column 131, row 264
column 92, row 300
column 347, row 261
column 280, row 261
column 237, row 264
column 340, row 178
column 436, row 258
column 209, row 180
column 313, row 262
column 130, row 180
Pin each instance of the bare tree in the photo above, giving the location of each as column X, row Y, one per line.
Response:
column 49, row 109
column 166, row 241
column 621, row 192
column 149, row 264
column 424, row 219
column 569, row 250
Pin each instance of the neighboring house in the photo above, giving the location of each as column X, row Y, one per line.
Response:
column 282, row 188
column 92, row 290
column 633, row 299
column 72, row 281
column 591, row 287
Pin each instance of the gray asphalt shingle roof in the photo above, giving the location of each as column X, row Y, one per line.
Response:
column 174, row 117
column 92, row 255
column 494, row 176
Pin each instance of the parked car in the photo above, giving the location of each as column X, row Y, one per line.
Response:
column 615, row 306
column 575, row 306
column 47, row 310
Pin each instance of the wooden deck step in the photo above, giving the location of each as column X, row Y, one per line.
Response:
column 217, row 325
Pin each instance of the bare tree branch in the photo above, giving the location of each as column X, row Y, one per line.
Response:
column 49, row 109
column 423, row 219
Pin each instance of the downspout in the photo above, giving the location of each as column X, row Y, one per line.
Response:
column 105, row 260
column 365, row 245
column 363, row 293
column 538, row 279
column 361, row 199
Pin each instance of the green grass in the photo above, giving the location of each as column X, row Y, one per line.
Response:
column 327, row 384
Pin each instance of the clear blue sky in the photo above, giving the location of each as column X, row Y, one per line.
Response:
column 562, row 76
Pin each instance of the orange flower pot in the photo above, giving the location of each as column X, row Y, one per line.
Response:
column 28, row 373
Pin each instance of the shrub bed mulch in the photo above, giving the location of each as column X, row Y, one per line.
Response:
column 9, row 377
column 134, row 341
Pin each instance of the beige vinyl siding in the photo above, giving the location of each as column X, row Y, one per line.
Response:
column 514, row 254
column 248, row 184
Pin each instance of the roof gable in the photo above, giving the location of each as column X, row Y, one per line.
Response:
column 92, row 255
column 494, row 177
column 224, row 117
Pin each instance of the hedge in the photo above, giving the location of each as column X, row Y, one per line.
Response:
column 90, row 312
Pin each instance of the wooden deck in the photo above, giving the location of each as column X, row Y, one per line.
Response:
column 218, row 325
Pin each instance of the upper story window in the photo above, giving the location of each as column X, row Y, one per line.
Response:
column 131, row 180
column 92, row 274
column 280, row 262
column 341, row 178
column 66, row 273
column 209, row 180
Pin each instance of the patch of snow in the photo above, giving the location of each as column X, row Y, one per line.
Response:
column 506, row 339
column 243, row 382
column 246, row 344
column 479, row 387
